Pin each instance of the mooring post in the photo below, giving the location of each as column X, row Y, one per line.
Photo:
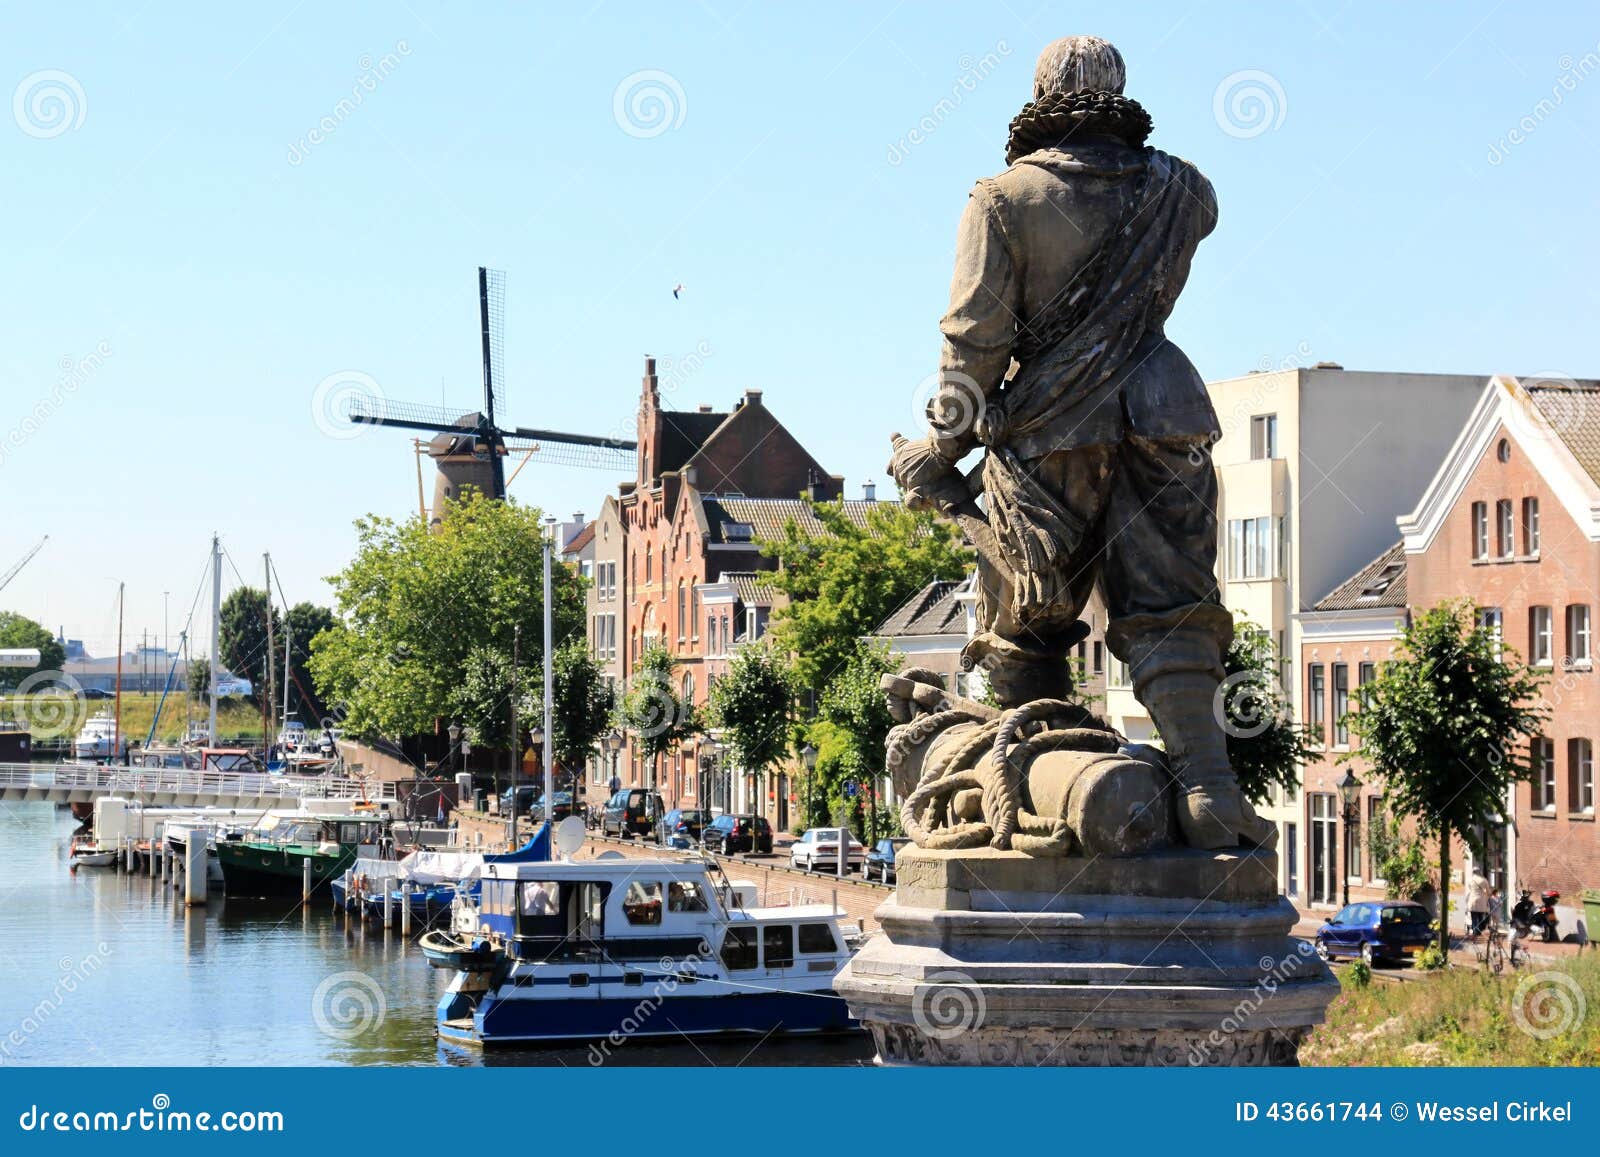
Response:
column 405, row 912
column 127, row 854
column 305, row 880
column 194, row 870
column 155, row 868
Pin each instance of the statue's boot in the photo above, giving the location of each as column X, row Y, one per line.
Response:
column 1020, row 672
column 1177, row 678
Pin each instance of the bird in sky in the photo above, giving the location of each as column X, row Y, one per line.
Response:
column 676, row 290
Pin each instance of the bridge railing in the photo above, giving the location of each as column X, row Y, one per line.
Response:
column 113, row 779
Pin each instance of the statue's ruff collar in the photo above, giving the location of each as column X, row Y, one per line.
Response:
column 1060, row 117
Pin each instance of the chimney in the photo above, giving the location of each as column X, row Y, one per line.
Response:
column 816, row 486
column 752, row 397
column 869, row 491
column 705, row 407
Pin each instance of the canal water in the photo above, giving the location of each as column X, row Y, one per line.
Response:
column 102, row 968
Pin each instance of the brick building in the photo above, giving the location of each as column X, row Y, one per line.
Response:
column 684, row 537
column 1512, row 521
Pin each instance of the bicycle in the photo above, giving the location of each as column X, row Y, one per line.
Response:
column 1494, row 954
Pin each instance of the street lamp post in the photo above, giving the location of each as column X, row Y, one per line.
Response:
column 1350, row 793
column 536, row 741
column 808, row 757
column 708, row 769
column 549, row 671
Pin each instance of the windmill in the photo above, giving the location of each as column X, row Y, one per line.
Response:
column 470, row 449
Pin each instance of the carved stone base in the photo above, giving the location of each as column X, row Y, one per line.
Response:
column 1173, row 958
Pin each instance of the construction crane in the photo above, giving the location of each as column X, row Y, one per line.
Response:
column 16, row 568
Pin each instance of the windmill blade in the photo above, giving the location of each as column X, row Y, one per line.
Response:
column 598, row 455
column 369, row 411
column 531, row 435
column 492, row 316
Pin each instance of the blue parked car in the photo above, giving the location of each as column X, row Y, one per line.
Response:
column 1386, row 931
column 880, row 860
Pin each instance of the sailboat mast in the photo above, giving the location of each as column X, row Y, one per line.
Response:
column 116, row 729
column 216, row 630
column 269, row 700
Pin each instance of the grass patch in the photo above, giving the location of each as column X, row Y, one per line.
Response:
column 1545, row 1015
column 52, row 717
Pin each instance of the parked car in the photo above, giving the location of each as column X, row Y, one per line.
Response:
column 880, row 861
column 818, row 850
column 737, row 833
column 1381, row 931
column 97, row 693
column 633, row 811
column 682, row 827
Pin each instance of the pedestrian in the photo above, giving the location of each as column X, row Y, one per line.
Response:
column 1479, row 895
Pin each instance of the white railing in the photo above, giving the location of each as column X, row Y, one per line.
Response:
column 112, row 779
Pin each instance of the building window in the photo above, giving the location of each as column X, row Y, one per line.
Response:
column 1366, row 674
column 1542, row 755
column 1316, row 690
column 1099, row 653
column 1541, row 643
column 1491, row 618
column 683, row 613
column 1341, row 710
column 1530, row 526
column 1480, row 530
column 711, row 636
column 1264, row 436
column 1118, row 675
column 649, row 565
column 1580, row 776
column 1503, row 450
column 1255, row 548
column 1505, row 529
column 1374, row 817
column 1578, row 654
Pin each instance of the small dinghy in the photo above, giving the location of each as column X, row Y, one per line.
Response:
column 455, row 951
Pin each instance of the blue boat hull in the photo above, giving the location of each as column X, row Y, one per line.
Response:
column 639, row 1015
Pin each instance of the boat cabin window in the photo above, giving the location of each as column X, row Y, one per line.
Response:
column 557, row 920
column 686, row 896
column 538, row 898
column 816, row 939
column 739, row 949
column 642, row 904
column 777, row 945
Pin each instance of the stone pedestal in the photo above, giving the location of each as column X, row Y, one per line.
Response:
column 1172, row 958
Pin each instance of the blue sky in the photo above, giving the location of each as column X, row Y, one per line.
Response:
column 171, row 224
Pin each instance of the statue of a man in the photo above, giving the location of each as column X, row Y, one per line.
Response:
column 1096, row 428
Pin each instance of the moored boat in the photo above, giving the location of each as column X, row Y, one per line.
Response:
column 568, row 950
column 273, row 864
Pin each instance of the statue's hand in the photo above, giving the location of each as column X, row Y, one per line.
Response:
column 926, row 480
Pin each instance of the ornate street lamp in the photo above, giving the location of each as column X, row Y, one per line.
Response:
column 708, row 766
column 1350, row 792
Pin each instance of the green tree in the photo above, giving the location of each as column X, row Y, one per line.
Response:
column 1265, row 745
column 854, row 705
column 22, row 632
column 653, row 710
column 1444, row 725
column 753, row 706
column 242, row 639
column 846, row 580
column 305, row 622
column 200, row 678
column 582, row 704
column 422, row 611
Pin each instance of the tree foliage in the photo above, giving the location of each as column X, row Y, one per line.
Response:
column 753, row 706
column 846, row 580
column 582, row 703
column 242, row 639
column 1265, row 745
column 1445, row 725
column 305, row 621
column 853, row 706
column 427, row 618
column 20, row 631
column 653, row 710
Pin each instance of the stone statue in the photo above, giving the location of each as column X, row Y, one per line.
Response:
column 1096, row 431
column 1073, row 898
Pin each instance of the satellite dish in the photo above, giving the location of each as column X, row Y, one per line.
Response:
column 611, row 856
column 568, row 837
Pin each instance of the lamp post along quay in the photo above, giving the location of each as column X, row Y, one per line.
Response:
column 549, row 679
column 1350, row 796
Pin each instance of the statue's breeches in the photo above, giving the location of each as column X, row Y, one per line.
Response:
column 1150, row 531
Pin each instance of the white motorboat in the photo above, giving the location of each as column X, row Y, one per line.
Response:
column 98, row 738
